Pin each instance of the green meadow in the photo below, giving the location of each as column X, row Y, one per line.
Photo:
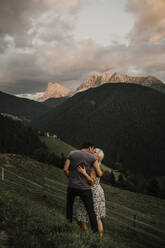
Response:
column 33, row 220
column 34, row 217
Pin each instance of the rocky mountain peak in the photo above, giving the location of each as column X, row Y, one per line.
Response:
column 116, row 78
column 93, row 78
column 53, row 84
column 96, row 80
column 152, row 80
column 54, row 90
column 89, row 83
column 145, row 81
column 105, row 77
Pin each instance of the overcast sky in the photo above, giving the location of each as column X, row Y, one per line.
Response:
column 66, row 41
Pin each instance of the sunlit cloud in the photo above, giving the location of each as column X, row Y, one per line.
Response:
column 150, row 20
column 38, row 44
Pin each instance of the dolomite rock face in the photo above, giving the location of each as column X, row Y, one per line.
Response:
column 105, row 77
column 124, row 78
column 91, row 82
column 96, row 80
column 54, row 90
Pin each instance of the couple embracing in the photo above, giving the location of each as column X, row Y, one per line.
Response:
column 83, row 170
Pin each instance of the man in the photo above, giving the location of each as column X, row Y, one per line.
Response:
column 78, row 184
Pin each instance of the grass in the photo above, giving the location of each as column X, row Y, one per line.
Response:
column 31, row 224
column 32, row 220
column 145, row 204
column 57, row 146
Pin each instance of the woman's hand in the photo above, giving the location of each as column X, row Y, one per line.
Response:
column 81, row 170
column 90, row 179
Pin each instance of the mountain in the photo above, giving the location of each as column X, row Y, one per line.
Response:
column 94, row 81
column 54, row 102
column 54, row 90
column 60, row 94
column 97, row 80
column 126, row 120
column 24, row 109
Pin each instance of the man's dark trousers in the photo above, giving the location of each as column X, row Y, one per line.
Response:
column 87, row 197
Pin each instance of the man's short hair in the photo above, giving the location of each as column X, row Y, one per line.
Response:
column 87, row 145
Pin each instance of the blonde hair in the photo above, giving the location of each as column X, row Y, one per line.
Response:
column 100, row 153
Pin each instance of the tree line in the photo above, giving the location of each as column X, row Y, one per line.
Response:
column 17, row 138
column 135, row 183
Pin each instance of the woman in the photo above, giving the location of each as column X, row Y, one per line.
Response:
column 98, row 196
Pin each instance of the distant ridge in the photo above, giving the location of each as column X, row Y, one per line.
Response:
column 22, row 108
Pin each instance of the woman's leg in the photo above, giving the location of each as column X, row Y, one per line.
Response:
column 84, row 226
column 100, row 227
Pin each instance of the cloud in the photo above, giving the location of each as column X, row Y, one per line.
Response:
column 18, row 16
column 149, row 20
column 37, row 45
column 69, row 63
column 34, row 96
column 54, row 28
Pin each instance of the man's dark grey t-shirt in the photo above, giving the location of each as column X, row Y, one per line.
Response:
column 76, row 179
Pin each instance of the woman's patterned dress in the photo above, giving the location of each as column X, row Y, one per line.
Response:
column 80, row 212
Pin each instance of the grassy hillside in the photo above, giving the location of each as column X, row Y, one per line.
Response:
column 34, row 221
column 123, row 119
column 57, row 146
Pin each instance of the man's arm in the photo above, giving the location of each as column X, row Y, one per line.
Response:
column 66, row 167
column 97, row 168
